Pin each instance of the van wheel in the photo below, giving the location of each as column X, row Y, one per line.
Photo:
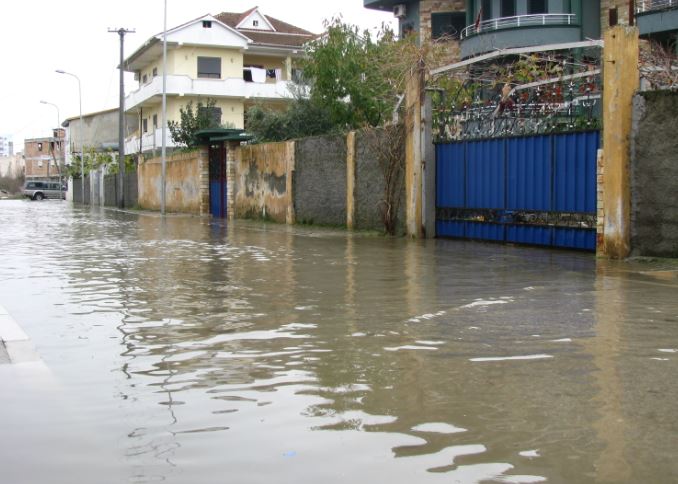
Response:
column 38, row 196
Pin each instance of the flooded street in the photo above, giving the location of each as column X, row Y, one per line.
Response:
column 183, row 351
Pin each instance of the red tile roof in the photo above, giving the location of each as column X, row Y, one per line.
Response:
column 285, row 35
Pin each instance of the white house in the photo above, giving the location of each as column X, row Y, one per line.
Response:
column 237, row 59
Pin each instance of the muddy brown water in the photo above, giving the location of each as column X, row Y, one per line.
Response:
column 184, row 351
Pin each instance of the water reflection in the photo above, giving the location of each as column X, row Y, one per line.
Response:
column 276, row 354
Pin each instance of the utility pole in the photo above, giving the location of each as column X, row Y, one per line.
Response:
column 121, row 118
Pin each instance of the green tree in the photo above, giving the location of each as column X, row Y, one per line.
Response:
column 347, row 73
column 192, row 120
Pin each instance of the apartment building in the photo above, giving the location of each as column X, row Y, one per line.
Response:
column 482, row 26
column 237, row 59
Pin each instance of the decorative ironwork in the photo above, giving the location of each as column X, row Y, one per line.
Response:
column 524, row 95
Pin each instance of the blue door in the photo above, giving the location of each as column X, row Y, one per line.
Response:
column 217, row 175
column 538, row 190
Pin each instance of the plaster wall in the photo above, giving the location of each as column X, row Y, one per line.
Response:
column 261, row 181
column 183, row 187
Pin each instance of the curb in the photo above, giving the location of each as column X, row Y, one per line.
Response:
column 17, row 344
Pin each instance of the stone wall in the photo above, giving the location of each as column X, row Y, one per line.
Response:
column 262, row 175
column 371, row 171
column 184, row 189
column 319, row 181
column 654, row 171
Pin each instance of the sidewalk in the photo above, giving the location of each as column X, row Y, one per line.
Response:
column 15, row 345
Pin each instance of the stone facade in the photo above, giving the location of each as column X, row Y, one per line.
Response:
column 428, row 7
column 623, row 10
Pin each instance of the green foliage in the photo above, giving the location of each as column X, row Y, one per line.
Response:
column 346, row 73
column 191, row 121
column 95, row 160
column 351, row 80
column 301, row 118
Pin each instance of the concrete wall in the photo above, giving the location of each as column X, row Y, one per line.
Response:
column 184, row 189
column 654, row 171
column 370, row 182
column 263, row 182
column 320, row 180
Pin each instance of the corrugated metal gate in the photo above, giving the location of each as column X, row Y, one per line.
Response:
column 538, row 190
column 217, row 173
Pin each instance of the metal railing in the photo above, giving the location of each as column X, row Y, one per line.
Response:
column 521, row 21
column 645, row 6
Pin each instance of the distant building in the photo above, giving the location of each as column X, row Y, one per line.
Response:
column 100, row 132
column 44, row 157
column 6, row 146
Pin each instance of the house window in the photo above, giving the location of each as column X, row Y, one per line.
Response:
column 447, row 24
column 537, row 6
column 508, row 8
column 209, row 67
column 213, row 113
column 39, row 146
column 155, row 72
column 144, row 125
column 155, row 121
column 144, row 79
column 613, row 16
column 206, row 24
column 297, row 75
column 255, row 23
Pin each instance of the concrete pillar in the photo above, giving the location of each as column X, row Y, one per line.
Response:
column 429, row 169
column 350, row 179
column 232, row 154
column 291, row 217
column 203, row 156
column 620, row 82
column 413, row 154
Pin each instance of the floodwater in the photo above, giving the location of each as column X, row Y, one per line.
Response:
column 183, row 351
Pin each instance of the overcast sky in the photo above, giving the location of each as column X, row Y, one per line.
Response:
column 39, row 36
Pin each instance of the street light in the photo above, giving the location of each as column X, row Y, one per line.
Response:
column 82, row 129
column 58, row 128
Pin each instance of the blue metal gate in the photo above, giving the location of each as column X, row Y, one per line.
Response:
column 538, row 190
column 217, row 175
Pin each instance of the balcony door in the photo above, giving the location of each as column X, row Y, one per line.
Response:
column 537, row 6
column 508, row 8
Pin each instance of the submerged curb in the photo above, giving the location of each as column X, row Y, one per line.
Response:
column 16, row 342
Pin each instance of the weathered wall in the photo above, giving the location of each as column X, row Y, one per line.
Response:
column 371, row 171
column 183, row 190
column 654, row 171
column 320, row 180
column 261, row 182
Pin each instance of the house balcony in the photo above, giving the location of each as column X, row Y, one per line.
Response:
column 657, row 18
column 150, row 94
column 519, row 31
column 151, row 140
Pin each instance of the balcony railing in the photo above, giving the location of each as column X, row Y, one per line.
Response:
column 645, row 6
column 230, row 87
column 534, row 20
